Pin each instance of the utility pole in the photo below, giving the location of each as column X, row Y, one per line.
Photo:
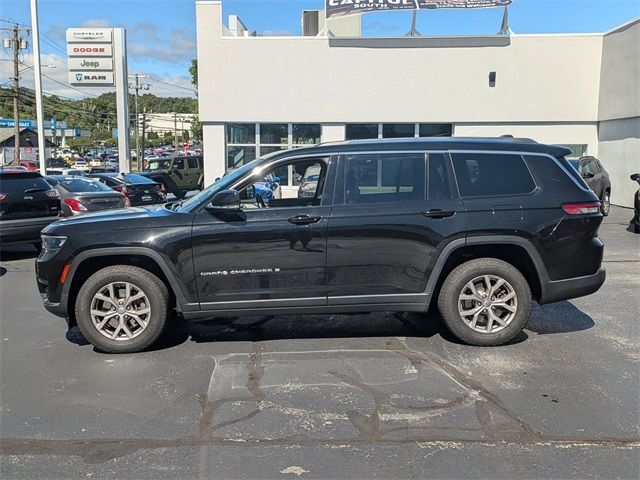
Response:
column 138, row 86
column 175, row 134
column 16, row 43
column 144, row 127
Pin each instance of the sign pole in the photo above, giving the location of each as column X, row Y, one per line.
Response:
column 122, row 97
column 414, row 31
column 37, row 71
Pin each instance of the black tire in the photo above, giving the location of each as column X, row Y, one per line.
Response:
column 155, row 290
column 605, row 203
column 455, row 283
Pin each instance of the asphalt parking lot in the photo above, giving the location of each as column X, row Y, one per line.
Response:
column 365, row 396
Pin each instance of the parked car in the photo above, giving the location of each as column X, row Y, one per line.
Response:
column 397, row 225
column 594, row 174
column 177, row 175
column 635, row 223
column 29, row 165
column 97, row 170
column 81, row 164
column 140, row 190
column 56, row 163
column 81, row 195
column 27, row 205
column 68, row 172
column 266, row 188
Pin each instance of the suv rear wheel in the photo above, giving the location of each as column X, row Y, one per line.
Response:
column 122, row 309
column 485, row 302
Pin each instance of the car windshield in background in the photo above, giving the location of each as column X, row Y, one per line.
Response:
column 81, row 185
column 158, row 165
column 137, row 180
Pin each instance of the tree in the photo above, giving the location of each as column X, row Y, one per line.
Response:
column 80, row 143
column 193, row 70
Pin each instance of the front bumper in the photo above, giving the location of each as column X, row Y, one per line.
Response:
column 555, row 291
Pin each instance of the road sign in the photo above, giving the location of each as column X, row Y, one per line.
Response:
column 97, row 63
column 91, row 78
column 90, row 53
column 89, row 35
column 84, row 50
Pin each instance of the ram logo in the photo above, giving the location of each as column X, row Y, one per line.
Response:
column 79, row 77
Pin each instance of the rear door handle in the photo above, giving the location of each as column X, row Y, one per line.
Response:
column 437, row 213
column 304, row 220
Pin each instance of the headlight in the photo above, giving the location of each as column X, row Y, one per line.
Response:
column 52, row 244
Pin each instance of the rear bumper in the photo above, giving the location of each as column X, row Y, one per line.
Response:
column 555, row 291
column 23, row 230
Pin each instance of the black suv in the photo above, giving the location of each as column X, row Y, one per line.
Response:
column 27, row 204
column 479, row 226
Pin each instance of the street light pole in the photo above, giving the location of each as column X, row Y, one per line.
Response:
column 37, row 71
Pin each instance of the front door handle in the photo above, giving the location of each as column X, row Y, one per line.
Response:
column 304, row 220
column 437, row 213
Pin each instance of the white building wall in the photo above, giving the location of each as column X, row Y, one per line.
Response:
column 619, row 110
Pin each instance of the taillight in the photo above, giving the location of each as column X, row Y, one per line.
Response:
column 3, row 196
column 75, row 205
column 52, row 194
column 123, row 190
column 127, row 202
column 585, row 208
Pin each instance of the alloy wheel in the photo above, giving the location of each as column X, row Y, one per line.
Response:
column 488, row 304
column 120, row 311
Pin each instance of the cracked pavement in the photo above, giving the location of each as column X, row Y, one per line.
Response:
column 310, row 396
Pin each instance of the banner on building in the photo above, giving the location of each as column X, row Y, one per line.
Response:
column 336, row 8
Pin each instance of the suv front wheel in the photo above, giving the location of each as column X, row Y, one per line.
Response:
column 485, row 302
column 122, row 309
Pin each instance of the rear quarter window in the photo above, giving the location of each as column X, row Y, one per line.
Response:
column 492, row 174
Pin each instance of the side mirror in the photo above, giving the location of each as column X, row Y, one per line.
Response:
column 588, row 175
column 635, row 177
column 225, row 201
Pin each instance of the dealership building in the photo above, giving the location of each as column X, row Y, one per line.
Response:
column 259, row 94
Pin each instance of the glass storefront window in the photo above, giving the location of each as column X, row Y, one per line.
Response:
column 265, row 150
column 398, row 130
column 361, row 131
column 238, row 156
column 306, row 134
column 436, row 129
column 274, row 133
column 243, row 133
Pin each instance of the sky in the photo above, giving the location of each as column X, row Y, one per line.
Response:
column 161, row 33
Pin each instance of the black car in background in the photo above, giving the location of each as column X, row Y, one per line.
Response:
column 27, row 205
column 139, row 189
column 393, row 225
column 594, row 174
column 82, row 195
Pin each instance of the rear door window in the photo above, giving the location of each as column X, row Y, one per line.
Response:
column 438, row 177
column 492, row 174
column 385, row 178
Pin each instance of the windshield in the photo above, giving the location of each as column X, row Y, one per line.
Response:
column 134, row 179
column 221, row 184
column 158, row 165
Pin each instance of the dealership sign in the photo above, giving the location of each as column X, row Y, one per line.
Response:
column 90, row 53
column 350, row 7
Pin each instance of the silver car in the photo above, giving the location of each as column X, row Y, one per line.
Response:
column 82, row 195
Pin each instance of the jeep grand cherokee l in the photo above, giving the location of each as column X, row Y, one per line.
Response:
column 480, row 227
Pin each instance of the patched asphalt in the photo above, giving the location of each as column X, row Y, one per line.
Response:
column 311, row 396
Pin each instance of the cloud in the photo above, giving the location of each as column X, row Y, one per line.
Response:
column 96, row 23
column 179, row 44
